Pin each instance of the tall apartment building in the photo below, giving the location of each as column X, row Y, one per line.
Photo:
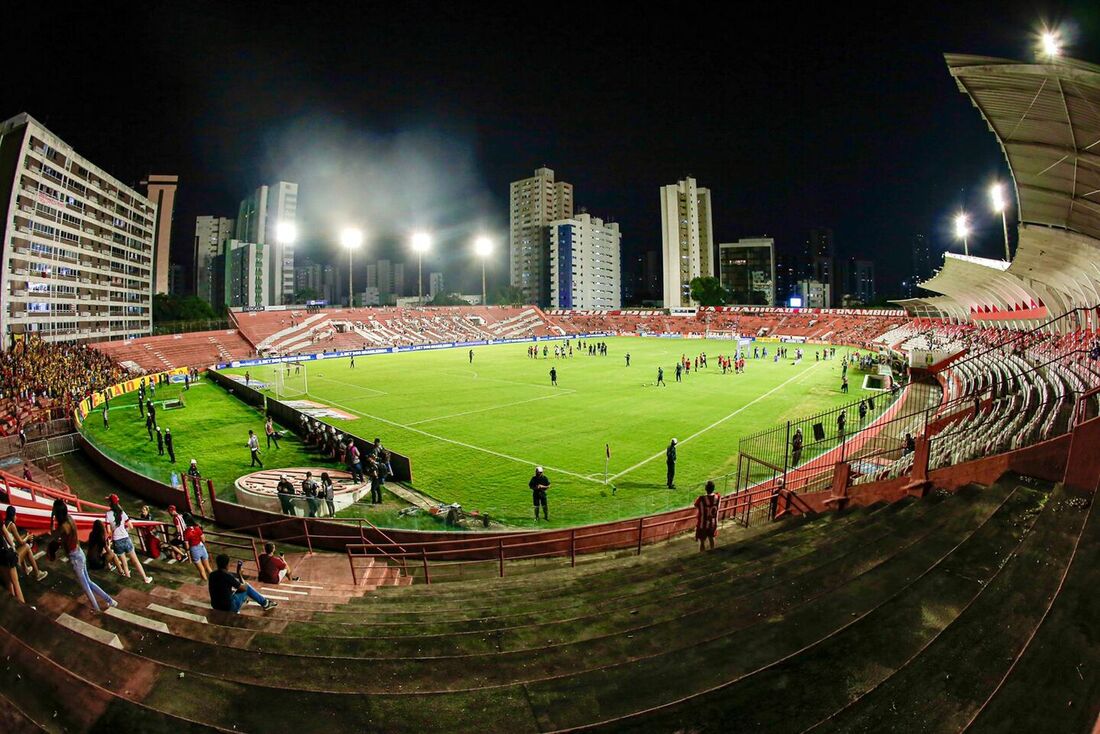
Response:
column 585, row 263
column 859, row 283
column 746, row 269
column 318, row 278
column 435, row 284
column 819, row 260
column 687, row 239
column 161, row 190
column 257, row 221
column 247, row 274
column 77, row 245
column 210, row 235
column 535, row 203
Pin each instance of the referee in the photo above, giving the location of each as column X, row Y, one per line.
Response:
column 539, row 484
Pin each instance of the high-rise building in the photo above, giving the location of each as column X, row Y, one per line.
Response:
column 687, row 239
column 177, row 280
column 535, row 203
column 77, row 246
column 786, row 277
column 210, row 235
column 814, row 293
column 435, row 284
column 819, row 259
column 247, row 274
column 585, row 257
column 858, row 283
column 747, row 270
column 258, row 221
column 161, row 190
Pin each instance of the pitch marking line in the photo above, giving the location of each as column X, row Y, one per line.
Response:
column 476, row 376
column 437, row 437
column 492, row 407
column 718, row 422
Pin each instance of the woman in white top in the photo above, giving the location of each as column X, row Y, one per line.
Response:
column 117, row 526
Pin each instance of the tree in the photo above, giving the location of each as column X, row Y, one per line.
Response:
column 707, row 291
column 508, row 295
column 446, row 299
column 175, row 308
column 306, row 294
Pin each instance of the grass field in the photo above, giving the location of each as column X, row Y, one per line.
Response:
column 475, row 431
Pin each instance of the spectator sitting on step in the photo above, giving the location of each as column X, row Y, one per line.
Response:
column 273, row 568
column 27, row 560
column 177, row 545
column 100, row 556
column 229, row 592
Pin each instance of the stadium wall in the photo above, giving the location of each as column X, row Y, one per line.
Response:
column 150, row 489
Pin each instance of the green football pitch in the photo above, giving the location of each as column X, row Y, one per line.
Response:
column 474, row 431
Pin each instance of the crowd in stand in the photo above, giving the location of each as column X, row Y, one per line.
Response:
column 41, row 380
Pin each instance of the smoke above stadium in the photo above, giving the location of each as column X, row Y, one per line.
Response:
column 388, row 184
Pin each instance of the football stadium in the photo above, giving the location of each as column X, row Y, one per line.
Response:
column 509, row 518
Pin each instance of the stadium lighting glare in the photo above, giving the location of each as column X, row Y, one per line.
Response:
column 483, row 246
column 962, row 230
column 997, row 195
column 286, row 233
column 1051, row 44
column 351, row 237
column 421, row 241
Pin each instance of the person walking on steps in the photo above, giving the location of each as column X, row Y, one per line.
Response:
column 706, row 516
column 670, row 463
column 63, row 532
column 539, row 484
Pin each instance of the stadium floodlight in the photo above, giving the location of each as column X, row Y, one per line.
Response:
column 483, row 246
column 421, row 242
column 997, row 195
column 286, row 233
column 962, row 230
column 351, row 238
column 1051, row 44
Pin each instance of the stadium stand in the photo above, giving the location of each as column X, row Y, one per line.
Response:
column 196, row 349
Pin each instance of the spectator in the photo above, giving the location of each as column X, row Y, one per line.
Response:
column 229, row 592
column 272, row 434
column 99, row 553
column 309, row 491
column 27, row 561
column 329, row 493
column 706, row 516
column 118, row 525
column 196, row 545
column 177, row 545
column 63, row 533
column 285, row 490
column 9, row 562
column 273, row 568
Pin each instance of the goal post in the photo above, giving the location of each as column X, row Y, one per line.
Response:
column 290, row 379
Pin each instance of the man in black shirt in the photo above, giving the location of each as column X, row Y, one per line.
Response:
column 229, row 592
column 285, row 490
column 670, row 463
column 309, row 490
column 539, row 484
column 168, row 446
column 553, row 376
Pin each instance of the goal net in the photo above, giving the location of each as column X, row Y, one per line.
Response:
column 290, row 380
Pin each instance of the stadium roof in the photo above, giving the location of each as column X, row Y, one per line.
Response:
column 1047, row 119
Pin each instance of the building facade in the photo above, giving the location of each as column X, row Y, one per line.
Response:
column 859, row 283
column 211, row 233
column 814, row 294
column 585, row 263
column 258, row 219
column 746, row 269
column 247, row 274
column 161, row 190
column 534, row 203
column 77, row 244
column 819, row 260
column 687, row 239
column 435, row 284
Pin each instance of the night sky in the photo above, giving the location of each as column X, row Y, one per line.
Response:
column 397, row 116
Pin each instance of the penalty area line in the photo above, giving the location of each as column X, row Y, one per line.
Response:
column 463, row 443
column 716, row 423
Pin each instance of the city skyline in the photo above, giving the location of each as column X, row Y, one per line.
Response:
column 797, row 135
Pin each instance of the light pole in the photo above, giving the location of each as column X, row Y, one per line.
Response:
column 351, row 238
column 421, row 241
column 962, row 231
column 483, row 246
column 286, row 233
column 1050, row 44
column 996, row 193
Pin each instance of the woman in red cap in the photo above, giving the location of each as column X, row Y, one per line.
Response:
column 118, row 524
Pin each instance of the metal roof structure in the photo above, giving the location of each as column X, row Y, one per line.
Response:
column 1046, row 118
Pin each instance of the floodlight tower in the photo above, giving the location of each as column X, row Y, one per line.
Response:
column 483, row 247
column 962, row 231
column 421, row 242
column 997, row 195
column 351, row 238
column 1050, row 44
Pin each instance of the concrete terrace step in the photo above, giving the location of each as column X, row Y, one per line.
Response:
column 90, row 631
